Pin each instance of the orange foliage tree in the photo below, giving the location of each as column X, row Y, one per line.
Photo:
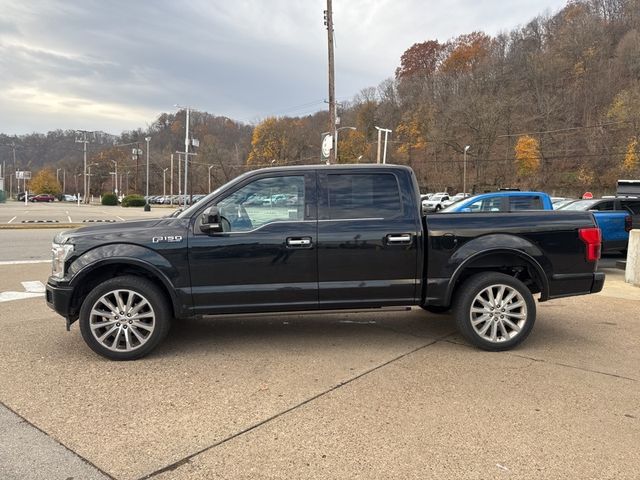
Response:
column 527, row 153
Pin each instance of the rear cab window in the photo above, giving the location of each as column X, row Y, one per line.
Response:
column 363, row 195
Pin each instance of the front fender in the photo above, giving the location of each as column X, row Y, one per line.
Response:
column 137, row 256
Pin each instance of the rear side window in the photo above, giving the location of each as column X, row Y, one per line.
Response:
column 604, row 206
column 525, row 202
column 374, row 195
column 632, row 206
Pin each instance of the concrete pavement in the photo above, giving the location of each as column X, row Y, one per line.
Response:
column 369, row 395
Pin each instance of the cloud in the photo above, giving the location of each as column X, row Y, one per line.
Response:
column 120, row 60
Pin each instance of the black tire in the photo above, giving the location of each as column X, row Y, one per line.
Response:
column 438, row 208
column 438, row 309
column 519, row 311
column 140, row 332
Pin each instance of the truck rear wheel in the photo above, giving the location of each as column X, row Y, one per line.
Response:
column 494, row 311
column 124, row 318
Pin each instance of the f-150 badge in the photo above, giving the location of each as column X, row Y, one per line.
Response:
column 167, row 238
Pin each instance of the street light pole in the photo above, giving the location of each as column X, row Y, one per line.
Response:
column 171, row 182
column 210, row 167
column 115, row 178
column 147, row 207
column 386, row 134
column 164, row 182
column 464, row 169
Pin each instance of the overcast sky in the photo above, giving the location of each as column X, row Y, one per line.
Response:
column 116, row 65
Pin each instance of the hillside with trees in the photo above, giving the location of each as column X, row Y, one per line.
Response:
column 553, row 104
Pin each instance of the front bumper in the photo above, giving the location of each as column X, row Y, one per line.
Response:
column 59, row 298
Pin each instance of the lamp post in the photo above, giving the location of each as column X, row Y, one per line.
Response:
column 164, row 182
column 210, row 167
column 386, row 134
column 186, row 148
column 464, row 169
column 115, row 178
column 147, row 207
column 337, row 130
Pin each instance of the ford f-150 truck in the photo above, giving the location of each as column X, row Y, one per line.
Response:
column 339, row 237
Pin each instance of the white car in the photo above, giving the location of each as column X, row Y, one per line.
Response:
column 456, row 198
column 435, row 203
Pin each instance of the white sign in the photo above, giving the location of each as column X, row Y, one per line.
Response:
column 20, row 175
column 327, row 145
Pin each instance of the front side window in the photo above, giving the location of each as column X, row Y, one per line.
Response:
column 267, row 200
column 356, row 196
column 490, row 204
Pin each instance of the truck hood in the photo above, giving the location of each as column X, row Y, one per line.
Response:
column 113, row 231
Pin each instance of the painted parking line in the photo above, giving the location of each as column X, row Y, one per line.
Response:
column 12, row 219
column 23, row 262
column 32, row 289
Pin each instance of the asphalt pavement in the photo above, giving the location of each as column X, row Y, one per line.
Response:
column 393, row 394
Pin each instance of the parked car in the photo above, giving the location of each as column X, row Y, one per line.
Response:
column 42, row 197
column 435, row 203
column 559, row 202
column 456, row 198
column 615, row 216
column 503, row 201
column 21, row 196
column 360, row 242
column 69, row 198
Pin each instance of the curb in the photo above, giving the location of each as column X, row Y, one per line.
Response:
column 35, row 226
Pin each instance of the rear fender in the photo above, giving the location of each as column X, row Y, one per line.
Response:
column 500, row 244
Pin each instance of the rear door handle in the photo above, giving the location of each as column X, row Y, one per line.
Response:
column 402, row 238
column 299, row 242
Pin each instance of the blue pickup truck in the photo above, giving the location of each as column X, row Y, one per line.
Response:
column 615, row 216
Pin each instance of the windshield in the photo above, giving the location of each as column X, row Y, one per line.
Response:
column 195, row 206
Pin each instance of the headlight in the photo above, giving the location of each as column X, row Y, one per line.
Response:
column 59, row 253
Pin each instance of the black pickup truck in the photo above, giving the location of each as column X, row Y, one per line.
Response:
column 319, row 238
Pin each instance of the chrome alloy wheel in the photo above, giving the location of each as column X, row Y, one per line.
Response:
column 498, row 313
column 122, row 320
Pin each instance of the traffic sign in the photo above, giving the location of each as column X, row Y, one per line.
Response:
column 587, row 196
column 327, row 145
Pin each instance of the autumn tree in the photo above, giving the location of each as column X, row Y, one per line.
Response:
column 421, row 59
column 630, row 162
column 527, row 156
column 466, row 52
column 45, row 182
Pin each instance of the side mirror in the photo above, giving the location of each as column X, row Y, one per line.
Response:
column 211, row 221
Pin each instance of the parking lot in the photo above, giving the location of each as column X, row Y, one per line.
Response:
column 393, row 394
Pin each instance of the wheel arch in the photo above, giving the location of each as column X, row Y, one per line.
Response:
column 94, row 274
column 511, row 261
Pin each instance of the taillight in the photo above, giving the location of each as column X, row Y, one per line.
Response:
column 627, row 223
column 592, row 238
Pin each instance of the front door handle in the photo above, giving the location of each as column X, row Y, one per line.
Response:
column 299, row 242
column 395, row 239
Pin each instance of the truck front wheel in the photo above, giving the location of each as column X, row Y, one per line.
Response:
column 124, row 318
column 494, row 311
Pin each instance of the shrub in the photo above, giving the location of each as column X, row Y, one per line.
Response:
column 133, row 201
column 109, row 199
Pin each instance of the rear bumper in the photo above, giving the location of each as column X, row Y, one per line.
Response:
column 598, row 282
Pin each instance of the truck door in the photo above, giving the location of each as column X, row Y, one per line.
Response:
column 368, row 232
column 266, row 259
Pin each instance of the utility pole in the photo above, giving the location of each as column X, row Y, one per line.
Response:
column 328, row 21
column 210, row 167
column 179, row 178
column 84, row 140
